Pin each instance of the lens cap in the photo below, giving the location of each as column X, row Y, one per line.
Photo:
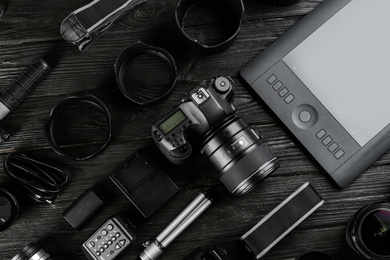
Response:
column 9, row 208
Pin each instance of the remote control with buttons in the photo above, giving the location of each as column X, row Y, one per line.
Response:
column 109, row 240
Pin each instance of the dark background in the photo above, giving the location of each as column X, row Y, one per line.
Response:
column 30, row 30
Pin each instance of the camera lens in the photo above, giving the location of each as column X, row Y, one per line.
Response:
column 32, row 252
column 368, row 231
column 241, row 158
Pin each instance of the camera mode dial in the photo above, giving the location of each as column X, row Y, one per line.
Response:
column 222, row 84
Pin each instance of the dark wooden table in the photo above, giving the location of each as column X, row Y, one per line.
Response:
column 30, row 30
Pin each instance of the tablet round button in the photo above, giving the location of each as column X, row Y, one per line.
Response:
column 305, row 116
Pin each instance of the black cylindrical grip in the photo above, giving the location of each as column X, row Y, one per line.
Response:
column 25, row 84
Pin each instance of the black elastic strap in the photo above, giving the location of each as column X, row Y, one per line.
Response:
column 56, row 112
column 128, row 54
column 41, row 181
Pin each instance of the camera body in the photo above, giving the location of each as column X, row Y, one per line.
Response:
column 204, row 107
column 206, row 116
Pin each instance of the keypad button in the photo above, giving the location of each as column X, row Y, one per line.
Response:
column 122, row 242
column 321, row 134
column 104, row 232
column 272, row 79
column 339, row 154
column 117, row 247
column 91, row 244
column 118, row 234
column 110, row 227
column 327, row 140
column 277, row 85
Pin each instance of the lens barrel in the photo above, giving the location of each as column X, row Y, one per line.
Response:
column 32, row 252
column 368, row 231
column 239, row 155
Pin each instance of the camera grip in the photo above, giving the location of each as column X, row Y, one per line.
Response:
column 23, row 86
column 180, row 155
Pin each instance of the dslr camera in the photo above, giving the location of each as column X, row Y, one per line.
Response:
column 206, row 115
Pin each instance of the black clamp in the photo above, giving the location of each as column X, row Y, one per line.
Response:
column 132, row 51
column 49, row 127
column 236, row 8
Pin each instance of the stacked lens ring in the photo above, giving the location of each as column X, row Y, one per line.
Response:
column 32, row 252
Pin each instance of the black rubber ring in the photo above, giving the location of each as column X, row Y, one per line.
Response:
column 62, row 106
column 184, row 7
column 134, row 50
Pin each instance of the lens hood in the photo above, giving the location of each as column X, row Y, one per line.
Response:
column 9, row 209
column 234, row 17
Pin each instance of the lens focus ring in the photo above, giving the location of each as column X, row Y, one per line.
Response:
column 245, row 173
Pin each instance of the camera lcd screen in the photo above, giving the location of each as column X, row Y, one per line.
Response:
column 344, row 63
column 172, row 121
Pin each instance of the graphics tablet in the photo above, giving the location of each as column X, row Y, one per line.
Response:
column 327, row 80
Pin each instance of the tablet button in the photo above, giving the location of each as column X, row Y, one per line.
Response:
column 304, row 116
column 321, row 134
column 339, row 154
column 289, row 98
column 272, row 79
column 283, row 92
column 333, row 147
column 327, row 140
column 277, row 85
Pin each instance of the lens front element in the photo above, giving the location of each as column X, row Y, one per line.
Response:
column 368, row 231
column 375, row 232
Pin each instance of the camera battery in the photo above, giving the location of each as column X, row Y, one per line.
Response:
column 83, row 209
column 281, row 220
column 144, row 183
